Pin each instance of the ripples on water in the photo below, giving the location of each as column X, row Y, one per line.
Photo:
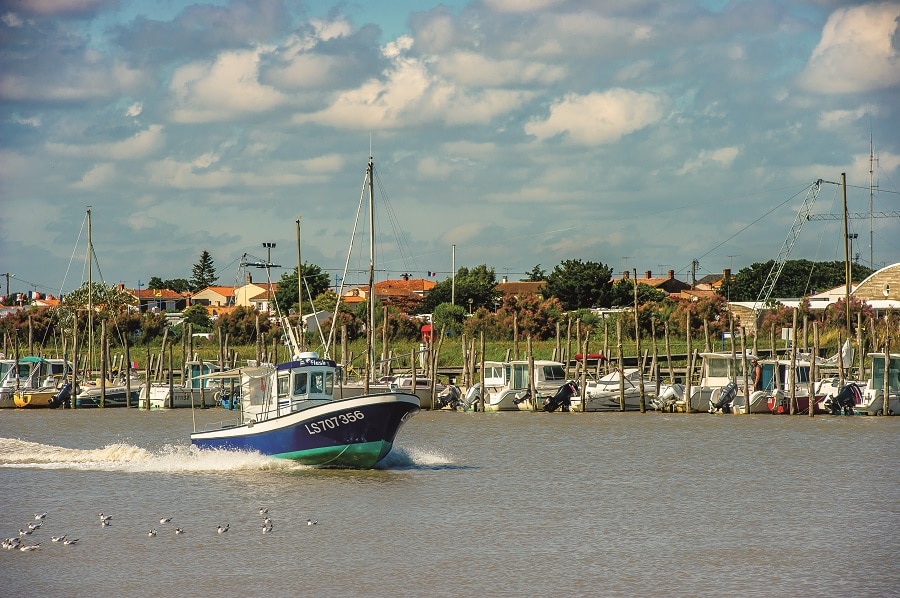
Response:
column 467, row 504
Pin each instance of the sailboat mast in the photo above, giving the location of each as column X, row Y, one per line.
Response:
column 847, row 271
column 299, row 289
column 90, row 264
column 871, row 200
column 370, row 327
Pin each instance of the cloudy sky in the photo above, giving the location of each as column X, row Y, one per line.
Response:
column 636, row 133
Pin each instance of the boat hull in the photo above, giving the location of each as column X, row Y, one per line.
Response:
column 34, row 399
column 351, row 433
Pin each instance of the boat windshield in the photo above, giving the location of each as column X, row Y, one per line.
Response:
column 554, row 373
column 299, row 383
column 878, row 373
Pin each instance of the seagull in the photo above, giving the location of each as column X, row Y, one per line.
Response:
column 151, row 533
column 34, row 526
column 57, row 538
column 263, row 510
column 69, row 542
column 23, row 532
column 178, row 530
column 39, row 517
column 30, row 548
column 267, row 521
column 222, row 530
column 165, row 520
column 311, row 522
column 267, row 528
column 105, row 517
column 105, row 523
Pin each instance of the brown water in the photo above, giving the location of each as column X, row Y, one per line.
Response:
column 499, row 504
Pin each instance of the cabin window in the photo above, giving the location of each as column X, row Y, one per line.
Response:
column 329, row 383
column 284, row 384
column 803, row 375
column 519, row 376
column 718, row 368
column 300, row 383
column 317, row 382
column 878, row 374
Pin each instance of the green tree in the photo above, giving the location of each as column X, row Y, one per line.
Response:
column 536, row 274
column 315, row 281
column 798, row 278
column 622, row 293
column 198, row 315
column 478, row 284
column 203, row 274
column 449, row 317
column 179, row 285
column 579, row 284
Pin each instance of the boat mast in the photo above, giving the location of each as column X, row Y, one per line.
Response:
column 370, row 326
column 871, row 199
column 90, row 252
column 847, row 271
column 299, row 289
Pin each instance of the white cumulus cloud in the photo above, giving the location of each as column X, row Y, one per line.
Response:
column 855, row 53
column 600, row 117
column 225, row 89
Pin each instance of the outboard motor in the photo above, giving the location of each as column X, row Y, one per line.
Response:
column 449, row 397
column 63, row 397
column 729, row 391
column 850, row 396
column 472, row 399
column 522, row 396
column 563, row 398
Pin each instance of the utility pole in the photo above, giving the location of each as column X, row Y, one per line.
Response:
column 268, row 247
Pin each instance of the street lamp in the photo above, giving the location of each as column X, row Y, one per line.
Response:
column 268, row 247
column 470, row 306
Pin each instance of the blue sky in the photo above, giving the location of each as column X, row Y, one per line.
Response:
column 635, row 133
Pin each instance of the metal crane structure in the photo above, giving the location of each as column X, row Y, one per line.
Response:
column 812, row 192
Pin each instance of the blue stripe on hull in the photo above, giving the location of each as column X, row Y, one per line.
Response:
column 336, row 438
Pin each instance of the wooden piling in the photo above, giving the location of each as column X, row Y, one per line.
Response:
column 744, row 367
column 637, row 345
column 127, row 346
column 621, row 363
column 481, row 370
column 813, row 373
column 531, row 387
column 690, row 366
column 793, row 372
column 104, row 355
column 581, row 387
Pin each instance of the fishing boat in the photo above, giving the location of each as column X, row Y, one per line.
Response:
column 290, row 410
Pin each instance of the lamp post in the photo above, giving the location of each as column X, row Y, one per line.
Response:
column 268, row 246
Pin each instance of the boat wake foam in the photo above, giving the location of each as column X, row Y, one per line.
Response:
column 22, row 454
column 16, row 453
column 413, row 457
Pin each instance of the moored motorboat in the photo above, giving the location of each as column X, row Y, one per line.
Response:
column 602, row 394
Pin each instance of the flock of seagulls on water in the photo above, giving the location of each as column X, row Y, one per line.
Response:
column 19, row 542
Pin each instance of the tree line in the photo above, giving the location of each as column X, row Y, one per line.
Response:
column 570, row 290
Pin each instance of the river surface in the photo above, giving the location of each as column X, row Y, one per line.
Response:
column 467, row 504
